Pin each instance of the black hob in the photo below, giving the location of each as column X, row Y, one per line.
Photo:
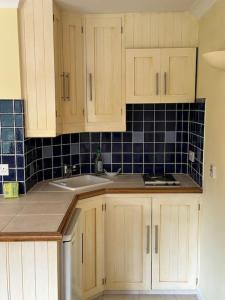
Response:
column 161, row 180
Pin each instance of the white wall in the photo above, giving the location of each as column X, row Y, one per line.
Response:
column 9, row 55
column 211, row 84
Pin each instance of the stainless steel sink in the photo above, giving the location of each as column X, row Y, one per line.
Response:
column 80, row 182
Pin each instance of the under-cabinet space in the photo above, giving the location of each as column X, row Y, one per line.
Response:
column 160, row 75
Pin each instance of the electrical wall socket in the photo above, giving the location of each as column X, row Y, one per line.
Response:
column 192, row 156
column 212, row 171
column 4, row 170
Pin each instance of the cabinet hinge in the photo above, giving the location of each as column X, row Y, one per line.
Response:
column 53, row 17
column 196, row 281
column 82, row 29
column 122, row 29
column 199, row 207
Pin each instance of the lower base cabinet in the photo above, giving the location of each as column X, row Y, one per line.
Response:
column 133, row 242
column 128, row 243
column 175, row 242
column 88, row 271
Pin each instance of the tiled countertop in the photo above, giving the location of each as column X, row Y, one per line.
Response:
column 43, row 212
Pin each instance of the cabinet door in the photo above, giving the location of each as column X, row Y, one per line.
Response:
column 105, row 107
column 38, row 67
column 58, row 66
column 178, row 74
column 142, row 75
column 175, row 241
column 128, row 250
column 92, row 247
column 73, row 75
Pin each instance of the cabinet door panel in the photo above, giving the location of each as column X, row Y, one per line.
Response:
column 128, row 261
column 93, row 247
column 73, row 85
column 58, row 66
column 178, row 74
column 104, row 72
column 175, row 231
column 142, row 75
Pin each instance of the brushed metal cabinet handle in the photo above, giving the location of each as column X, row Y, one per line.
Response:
column 165, row 83
column 63, row 85
column 90, row 80
column 156, row 239
column 67, row 75
column 157, row 83
column 82, row 248
column 148, row 240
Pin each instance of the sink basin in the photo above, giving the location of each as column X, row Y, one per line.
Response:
column 80, row 182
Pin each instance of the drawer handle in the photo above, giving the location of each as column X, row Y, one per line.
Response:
column 156, row 239
column 148, row 239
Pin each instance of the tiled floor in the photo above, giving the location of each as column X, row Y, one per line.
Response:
column 150, row 297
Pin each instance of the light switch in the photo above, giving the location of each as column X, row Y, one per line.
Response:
column 4, row 170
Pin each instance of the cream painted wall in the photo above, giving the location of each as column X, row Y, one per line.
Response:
column 211, row 84
column 9, row 55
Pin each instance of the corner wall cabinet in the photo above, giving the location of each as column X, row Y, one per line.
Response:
column 160, row 75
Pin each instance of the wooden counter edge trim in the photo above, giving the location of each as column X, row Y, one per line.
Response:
column 30, row 236
column 57, row 236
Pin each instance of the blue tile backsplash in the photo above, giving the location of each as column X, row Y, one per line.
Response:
column 12, row 141
column 157, row 140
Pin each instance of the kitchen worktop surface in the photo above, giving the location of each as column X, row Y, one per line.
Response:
column 44, row 213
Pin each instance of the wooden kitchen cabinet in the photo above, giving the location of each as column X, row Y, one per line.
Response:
column 128, row 242
column 73, row 74
column 104, row 77
column 92, row 246
column 178, row 67
column 164, row 75
column 41, row 66
column 143, row 75
column 175, row 241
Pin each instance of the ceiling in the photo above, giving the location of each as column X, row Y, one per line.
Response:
column 120, row 6
column 197, row 7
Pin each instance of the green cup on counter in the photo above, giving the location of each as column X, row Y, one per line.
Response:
column 11, row 190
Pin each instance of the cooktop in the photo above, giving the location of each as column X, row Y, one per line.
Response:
column 161, row 180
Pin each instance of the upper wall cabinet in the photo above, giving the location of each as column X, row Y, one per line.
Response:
column 73, row 74
column 104, row 57
column 161, row 30
column 160, row 75
column 40, row 50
